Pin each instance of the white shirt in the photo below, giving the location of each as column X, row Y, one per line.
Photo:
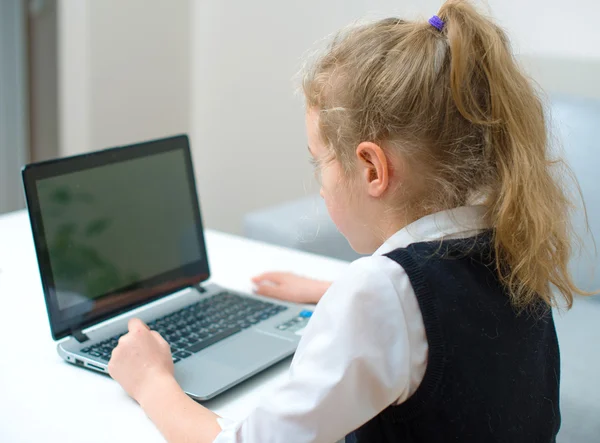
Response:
column 364, row 349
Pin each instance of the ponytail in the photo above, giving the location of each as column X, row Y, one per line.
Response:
column 527, row 205
column 451, row 99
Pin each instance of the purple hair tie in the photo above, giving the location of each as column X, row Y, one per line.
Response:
column 436, row 22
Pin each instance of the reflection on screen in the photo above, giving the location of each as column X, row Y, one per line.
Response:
column 110, row 227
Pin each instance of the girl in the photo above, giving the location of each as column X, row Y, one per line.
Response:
column 433, row 156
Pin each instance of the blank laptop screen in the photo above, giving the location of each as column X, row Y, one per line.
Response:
column 118, row 234
column 112, row 226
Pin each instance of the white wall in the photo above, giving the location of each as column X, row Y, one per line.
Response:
column 74, row 95
column 544, row 27
column 223, row 70
column 247, row 126
column 557, row 42
column 247, row 129
column 124, row 71
column 551, row 28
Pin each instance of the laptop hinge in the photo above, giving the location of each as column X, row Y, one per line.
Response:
column 200, row 289
column 79, row 336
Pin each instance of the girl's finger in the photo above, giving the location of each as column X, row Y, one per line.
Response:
column 274, row 277
column 135, row 324
column 270, row 291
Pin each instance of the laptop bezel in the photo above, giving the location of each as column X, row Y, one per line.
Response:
column 34, row 172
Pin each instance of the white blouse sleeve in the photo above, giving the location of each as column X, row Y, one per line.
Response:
column 352, row 362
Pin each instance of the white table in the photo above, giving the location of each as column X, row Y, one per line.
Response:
column 44, row 399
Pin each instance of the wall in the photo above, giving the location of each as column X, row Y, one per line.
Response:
column 223, row 70
column 73, row 77
column 552, row 28
column 544, row 27
column 13, row 103
column 556, row 42
column 247, row 127
column 43, row 80
column 124, row 71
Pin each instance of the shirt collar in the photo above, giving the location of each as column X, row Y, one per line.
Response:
column 462, row 222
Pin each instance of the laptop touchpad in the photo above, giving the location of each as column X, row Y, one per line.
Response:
column 251, row 349
column 224, row 364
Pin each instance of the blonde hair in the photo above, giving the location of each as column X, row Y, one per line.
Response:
column 457, row 105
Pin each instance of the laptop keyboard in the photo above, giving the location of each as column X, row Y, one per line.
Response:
column 200, row 325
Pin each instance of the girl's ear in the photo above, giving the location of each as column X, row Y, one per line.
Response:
column 373, row 168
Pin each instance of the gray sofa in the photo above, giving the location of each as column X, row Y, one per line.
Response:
column 304, row 224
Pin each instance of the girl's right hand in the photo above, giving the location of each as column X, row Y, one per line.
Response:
column 290, row 287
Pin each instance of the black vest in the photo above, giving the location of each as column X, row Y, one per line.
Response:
column 492, row 374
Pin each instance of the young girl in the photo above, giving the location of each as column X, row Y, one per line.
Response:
column 433, row 156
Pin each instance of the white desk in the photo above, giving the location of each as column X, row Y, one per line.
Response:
column 44, row 399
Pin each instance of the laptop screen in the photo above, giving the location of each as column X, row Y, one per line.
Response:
column 116, row 229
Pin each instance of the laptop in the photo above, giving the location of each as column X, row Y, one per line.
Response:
column 118, row 234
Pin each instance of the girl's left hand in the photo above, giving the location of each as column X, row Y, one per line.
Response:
column 141, row 358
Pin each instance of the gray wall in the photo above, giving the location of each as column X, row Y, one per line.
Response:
column 13, row 103
column 43, row 80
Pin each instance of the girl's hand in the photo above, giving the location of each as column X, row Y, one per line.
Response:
column 141, row 358
column 290, row 287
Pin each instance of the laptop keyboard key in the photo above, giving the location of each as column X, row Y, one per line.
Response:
column 192, row 342
column 182, row 354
